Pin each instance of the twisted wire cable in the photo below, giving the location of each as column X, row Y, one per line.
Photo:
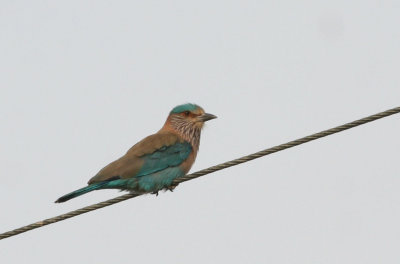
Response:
column 205, row 171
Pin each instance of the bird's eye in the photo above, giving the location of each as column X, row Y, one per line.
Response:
column 186, row 113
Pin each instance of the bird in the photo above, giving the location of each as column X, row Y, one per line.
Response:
column 156, row 161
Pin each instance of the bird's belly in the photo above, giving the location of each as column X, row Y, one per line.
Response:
column 151, row 182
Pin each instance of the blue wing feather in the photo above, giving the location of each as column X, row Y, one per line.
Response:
column 158, row 171
column 167, row 156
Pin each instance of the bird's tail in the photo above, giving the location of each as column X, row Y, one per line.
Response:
column 79, row 192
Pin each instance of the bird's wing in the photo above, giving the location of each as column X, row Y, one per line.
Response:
column 154, row 153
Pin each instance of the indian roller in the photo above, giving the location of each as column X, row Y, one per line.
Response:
column 153, row 163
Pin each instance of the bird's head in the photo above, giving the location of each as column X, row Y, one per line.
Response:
column 187, row 120
column 189, row 115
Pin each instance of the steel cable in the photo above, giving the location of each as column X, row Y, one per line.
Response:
column 206, row 171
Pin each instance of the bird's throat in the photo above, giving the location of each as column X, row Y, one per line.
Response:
column 189, row 131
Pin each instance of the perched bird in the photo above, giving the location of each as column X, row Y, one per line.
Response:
column 153, row 163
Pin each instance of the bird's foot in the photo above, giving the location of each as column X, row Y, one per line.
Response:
column 156, row 193
column 171, row 188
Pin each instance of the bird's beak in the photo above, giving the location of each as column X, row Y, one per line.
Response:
column 205, row 117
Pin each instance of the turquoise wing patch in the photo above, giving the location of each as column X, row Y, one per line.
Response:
column 165, row 157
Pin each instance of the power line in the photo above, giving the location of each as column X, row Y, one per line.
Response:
column 206, row 171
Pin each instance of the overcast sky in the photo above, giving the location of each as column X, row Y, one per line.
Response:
column 82, row 81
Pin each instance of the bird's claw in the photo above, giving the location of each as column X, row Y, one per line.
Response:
column 171, row 188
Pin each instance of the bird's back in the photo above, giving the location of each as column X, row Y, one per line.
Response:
column 154, row 153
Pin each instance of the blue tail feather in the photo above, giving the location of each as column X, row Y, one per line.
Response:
column 151, row 183
column 79, row 192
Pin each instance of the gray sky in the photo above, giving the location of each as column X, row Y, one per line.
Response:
column 82, row 81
